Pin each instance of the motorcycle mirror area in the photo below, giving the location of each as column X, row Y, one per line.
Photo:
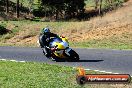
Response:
column 62, row 36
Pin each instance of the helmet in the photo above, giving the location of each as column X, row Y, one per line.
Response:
column 46, row 30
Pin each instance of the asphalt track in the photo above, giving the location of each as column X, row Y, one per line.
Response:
column 116, row 61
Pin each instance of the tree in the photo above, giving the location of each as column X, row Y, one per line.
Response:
column 30, row 6
column 63, row 8
column 17, row 8
column 21, row 3
column 7, row 6
column 100, row 6
column 96, row 4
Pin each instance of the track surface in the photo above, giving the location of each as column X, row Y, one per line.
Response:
column 117, row 61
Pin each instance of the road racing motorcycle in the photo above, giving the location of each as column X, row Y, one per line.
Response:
column 60, row 50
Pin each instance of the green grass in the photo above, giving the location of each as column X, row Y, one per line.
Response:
column 42, row 75
column 10, row 34
column 26, row 3
column 36, row 75
column 91, row 3
column 33, row 28
column 105, row 43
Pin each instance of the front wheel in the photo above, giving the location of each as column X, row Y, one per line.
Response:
column 73, row 56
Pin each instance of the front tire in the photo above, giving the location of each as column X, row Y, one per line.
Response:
column 73, row 56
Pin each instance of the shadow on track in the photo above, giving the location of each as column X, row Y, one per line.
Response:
column 82, row 61
column 90, row 60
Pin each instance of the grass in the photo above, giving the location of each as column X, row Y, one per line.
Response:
column 42, row 75
column 113, row 30
column 27, row 3
column 105, row 43
column 91, row 3
column 21, row 31
column 123, row 41
column 35, row 75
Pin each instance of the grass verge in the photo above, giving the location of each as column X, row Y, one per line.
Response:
column 42, row 75
column 35, row 75
column 26, row 35
column 105, row 43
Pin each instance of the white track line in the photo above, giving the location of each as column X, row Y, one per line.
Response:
column 87, row 69
column 12, row 60
column 108, row 72
column 73, row 67
column 3, row 59
column 103, row 71
column 99, row 71
column 96, row 70
column 21, row 61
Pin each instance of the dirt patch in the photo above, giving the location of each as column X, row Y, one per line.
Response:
column 26, row 41
column 29, row 41
column 116, row 23
column 101, row 33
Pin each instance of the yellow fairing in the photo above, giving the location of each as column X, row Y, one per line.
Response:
column 60, row 46
column 64, row 39
column 59, row 53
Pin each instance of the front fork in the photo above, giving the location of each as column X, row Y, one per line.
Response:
column 67, row 51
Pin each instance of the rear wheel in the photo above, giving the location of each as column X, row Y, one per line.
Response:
column 73, row 56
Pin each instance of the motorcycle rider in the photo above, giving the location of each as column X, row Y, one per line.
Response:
column 44, row 40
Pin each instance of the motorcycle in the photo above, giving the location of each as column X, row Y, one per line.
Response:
column 60, row 50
